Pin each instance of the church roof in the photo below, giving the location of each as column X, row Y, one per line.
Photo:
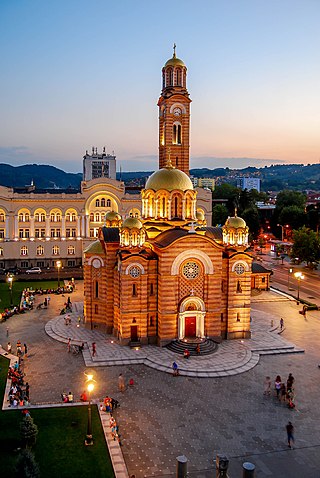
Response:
column 167, row 237
column 259, row 268
column 214, row 233
column 169, row 178
column 110, row 234
column 94, row 248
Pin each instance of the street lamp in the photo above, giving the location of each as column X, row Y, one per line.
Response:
column 282, row 228
column 10, row 282
column 298, row 276
column 289, row 272
column 90, row 386
column 58, row 264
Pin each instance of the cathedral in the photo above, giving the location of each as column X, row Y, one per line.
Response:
column 167, row 275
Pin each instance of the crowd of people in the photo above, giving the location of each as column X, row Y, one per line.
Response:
column 109, row 405
column 283, row 391
column 19, row 393
column 67, row 397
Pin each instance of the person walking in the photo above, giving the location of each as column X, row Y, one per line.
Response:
column 290, row 434
column 7, row 331
column 9, row 347
column 25, row 350
column 69, row 345
column 277, row 386
column 281, row 323
column 121, row 383
column 93, row 349
column 175, row 369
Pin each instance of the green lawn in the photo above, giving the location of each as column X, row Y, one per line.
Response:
column 60, row 450
column 18, row 288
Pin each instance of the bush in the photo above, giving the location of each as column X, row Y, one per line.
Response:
column 26, row 466
column 28, row 431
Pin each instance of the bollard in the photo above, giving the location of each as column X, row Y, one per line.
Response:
column 222, row 464
column 182, row 466
column 248, row 470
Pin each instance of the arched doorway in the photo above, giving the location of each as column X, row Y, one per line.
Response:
column 191, row 318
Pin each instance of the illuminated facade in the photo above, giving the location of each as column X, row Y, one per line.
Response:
column 168, row 274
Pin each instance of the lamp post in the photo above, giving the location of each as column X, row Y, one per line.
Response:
column 289, row 272
column 10, row 282
column 298, row 276
column 90, row 386
column 58, row 264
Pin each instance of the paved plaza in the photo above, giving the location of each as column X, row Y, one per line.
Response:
column 215, row 406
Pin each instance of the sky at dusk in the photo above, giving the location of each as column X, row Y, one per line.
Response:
column 78, row 73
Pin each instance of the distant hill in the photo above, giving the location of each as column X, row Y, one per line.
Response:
column 43, row 176
column 298, row 177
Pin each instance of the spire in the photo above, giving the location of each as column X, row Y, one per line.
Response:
column 169, row 164
column 174, row 50
column 235, row 211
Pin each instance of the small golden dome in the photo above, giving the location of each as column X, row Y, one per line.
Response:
column 235, row 222
column 200, row 216
column 174, row 62
column 112, row 216
column 132, row 223
column 169, row 178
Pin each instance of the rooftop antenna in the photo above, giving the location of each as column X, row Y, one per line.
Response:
column 120, row 171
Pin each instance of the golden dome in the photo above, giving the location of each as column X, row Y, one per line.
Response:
column 169, row 178
column 174, row 61
column 236, row 222
column 132, row 223
column 112, row 216
column 200, row 216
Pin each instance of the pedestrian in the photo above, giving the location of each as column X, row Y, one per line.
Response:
column 290, row 381
column 69, row 345
column 19, row 350
column 93, row 349
column 7, row 331
column 281, row 323
column 175, row 369
column 121, row 383
column 277, row 386
column 290, row 434
column 267, row 386
column 25, row 350
column 9, row 347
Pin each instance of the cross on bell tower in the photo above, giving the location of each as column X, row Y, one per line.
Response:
column 174, row 115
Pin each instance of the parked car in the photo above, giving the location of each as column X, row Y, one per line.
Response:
column 13, row 270
column 34, row 270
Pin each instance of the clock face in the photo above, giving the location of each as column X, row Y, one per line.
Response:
column 177, row 111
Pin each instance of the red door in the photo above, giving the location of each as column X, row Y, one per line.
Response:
column 190, row 327
column 134, row 333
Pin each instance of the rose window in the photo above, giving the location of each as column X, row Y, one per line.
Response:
column 239, row 269
column 134, row 272
column 191, row 270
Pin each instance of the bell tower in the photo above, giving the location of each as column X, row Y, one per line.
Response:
column 174, row 115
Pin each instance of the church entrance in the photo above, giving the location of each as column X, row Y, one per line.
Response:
column 190, row 327
column 134, row 333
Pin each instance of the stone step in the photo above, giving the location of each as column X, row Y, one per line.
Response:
column 207, row 347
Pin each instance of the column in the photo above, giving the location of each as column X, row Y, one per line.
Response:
column 83, row 227
column 169, row 209
column 16, row 228
column 6, row 235
column 183, row 208
column 63, row 226
column 47, row 226
column 78, row 227
column 31, row 227
column 87, row 226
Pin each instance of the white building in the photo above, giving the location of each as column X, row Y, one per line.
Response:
column 99, row 165
column 249, row 183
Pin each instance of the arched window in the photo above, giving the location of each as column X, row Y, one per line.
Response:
column 1, row 251
column 103, row 202
column 2, row 217
column 163, row 207
column 21, row 217
column 58, row 217
column 71, row 250
column 176, row 137
column 179, row 77
column 97, row 202
column 40, row 250
column 175, row 207
column 55, row 250
column 73, row 217
column 91, row 217
column 37, row 217
column 42, row 217
column 108, row 203
column 24, row 251
column 27, row 217
column 97, row 217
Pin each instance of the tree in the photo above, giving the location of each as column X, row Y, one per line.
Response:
column 306, row 245
column 26, row 466
column 251, row 216
column 219, row 214
column 230, row 192
column 290, row 198
column 28, row 431
column 294, row 216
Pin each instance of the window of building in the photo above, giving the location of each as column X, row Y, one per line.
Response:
column 56, row 232
column 134, row 290
column 91, row 217
column 108, row 204
column 68, row 232
column 71, row 250
column 2, row 264
column 151, row 322
column 24, row 251
column 97, row 202
column 263, row 280
column 1, row 233
column 238, row 317
column 97, row 217
column 176, row 138
column 222, row 318
column 103, row 202
column 40, row 264
column 96, row 289
column 71, row 263
column 1, row 251
column 24, row 264
column 96, row 309
column 55, row 250
column 24, row 233
column 239, row 288
column 91, row 232
column 42, row 233
column 40, row 250
column 2, row 217
column 151, row 289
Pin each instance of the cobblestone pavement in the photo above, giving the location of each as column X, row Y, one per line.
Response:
column 163, row 416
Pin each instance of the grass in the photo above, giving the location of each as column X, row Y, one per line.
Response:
column 60, row 450
column 18, row 288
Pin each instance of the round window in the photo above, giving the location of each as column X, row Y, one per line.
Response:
column 190, row 270
column 239, row 269
column 134, row 272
